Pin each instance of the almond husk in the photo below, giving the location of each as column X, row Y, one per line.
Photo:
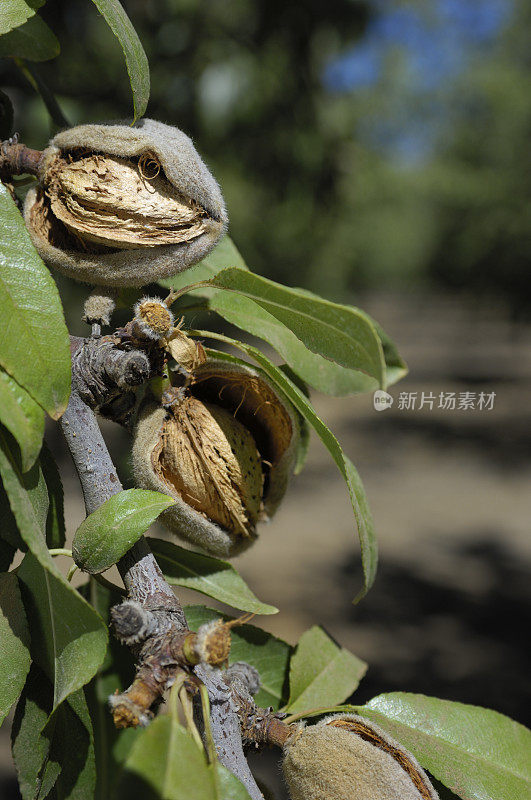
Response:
column 121, row 205
column 348, row 758
column 181, row 452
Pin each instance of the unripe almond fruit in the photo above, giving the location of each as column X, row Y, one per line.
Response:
column 124, row 206
column 224, row 452
column 345, row 757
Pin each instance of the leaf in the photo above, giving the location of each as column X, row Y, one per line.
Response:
column 269, row 655
column 135, row 57
column 360, row 506
column 47, row 96
column 55, row 518
column 34, row 344
column 30, row 746
column 34, row 40
column 224, row 255
column 229, row 787
column 478, row 753
column 210, row 576
column 112, row 746
column 15, row 12
column 343, row 334
column 165, row 763
column 14, row 643
column 316, row 370
column 110, row 531
column 68, row 638
column 23, row 417
column 61, row 755
column 321, row 673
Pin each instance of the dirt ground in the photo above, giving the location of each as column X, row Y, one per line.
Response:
column 451, row 501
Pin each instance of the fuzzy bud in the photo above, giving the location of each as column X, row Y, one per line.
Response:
column 99, row 307
column 223, row 450
column 153, row 319
column 124, row 206
column 345, row 757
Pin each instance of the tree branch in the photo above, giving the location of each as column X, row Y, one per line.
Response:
column 100, row 370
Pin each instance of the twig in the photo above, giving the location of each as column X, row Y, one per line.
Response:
column 160, row 626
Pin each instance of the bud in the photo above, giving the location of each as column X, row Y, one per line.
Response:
column 124, row 206
column 224, row 451
column 345, row 757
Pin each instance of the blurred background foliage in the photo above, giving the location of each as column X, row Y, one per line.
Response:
column 360, row 144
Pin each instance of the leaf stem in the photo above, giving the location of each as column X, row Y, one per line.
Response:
column 188, row 712
column 60, row 551
column 205, row 705
column 71, row 572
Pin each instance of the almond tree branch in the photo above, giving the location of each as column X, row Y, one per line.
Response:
column 151, row 621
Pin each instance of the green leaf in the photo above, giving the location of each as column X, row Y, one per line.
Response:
column 55, row 518
column 316, row 370
column 48, row 98
column 269, row 655
column 110, row 531
column 34, row 40
column 23, row 417
column 112, row 746
column 30, row 746
column 343, row 334
column 207, row 575
column 224, row 255
column 229, row 787
column 478, row 753
column 15, row 12
column 61, row 755
column 360, row 506
column 34, row 343
column 165, row 763
column 321, row 673
column 68, row 638
column 135, row 57
column 14, row 643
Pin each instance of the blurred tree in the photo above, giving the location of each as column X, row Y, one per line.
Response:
column 359, row 143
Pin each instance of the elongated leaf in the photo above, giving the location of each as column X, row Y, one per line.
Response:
column 55, row 518
column 478, row 753
column 14, row 643
column 23, row 417
column 110, row 531
column 15, row 12
column 224, row 255
column 165, row 763
column 360, row 506
column 33, row 40
column 343, row 334
column 319, row 372
column 112, row 746
column 30, row 746
column 48, row 98
column 135, row 57
column 61, row 755
column 34, row 344
column 228, row 786
column 68, row 638
column 210, row 576
column 321, row 673
column 269, row 655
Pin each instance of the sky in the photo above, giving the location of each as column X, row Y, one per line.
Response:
column 437, row 41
